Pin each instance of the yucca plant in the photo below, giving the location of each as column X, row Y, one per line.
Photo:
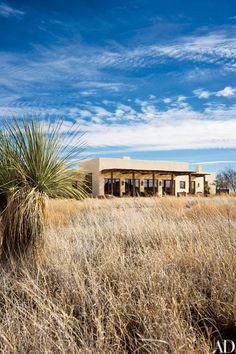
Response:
column 35, row 165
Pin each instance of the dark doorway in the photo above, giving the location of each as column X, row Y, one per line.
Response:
column 108, row 183
column 167, row 187
column 129, row 183
column 149, row 188
column 192, row 187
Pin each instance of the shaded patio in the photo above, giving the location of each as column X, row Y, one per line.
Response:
column 151, row 185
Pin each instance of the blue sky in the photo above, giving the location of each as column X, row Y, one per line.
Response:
column 147, row 79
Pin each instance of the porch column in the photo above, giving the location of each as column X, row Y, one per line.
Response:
column 153, row 183
column 133, row 178
column 189, row 184
column 121, row 181
column 172, row 185
column 160, row 187
column 112, row 183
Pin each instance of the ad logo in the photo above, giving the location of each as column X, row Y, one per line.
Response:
column 225, row 346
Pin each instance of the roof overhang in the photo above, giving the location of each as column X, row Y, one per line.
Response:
column 160, row 172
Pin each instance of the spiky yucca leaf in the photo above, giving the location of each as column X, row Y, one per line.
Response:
column 34, row 165
column 34, row 157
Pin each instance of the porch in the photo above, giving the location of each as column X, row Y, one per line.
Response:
column 130, row 182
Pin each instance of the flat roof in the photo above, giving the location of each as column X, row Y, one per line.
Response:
column 127, row 158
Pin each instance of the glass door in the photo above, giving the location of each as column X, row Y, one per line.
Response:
column 167, row 186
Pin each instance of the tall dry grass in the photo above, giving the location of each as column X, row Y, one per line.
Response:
column 126, row 276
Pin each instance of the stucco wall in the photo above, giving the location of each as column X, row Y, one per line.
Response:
column 94, row 166
column 211, row 182
column 105, row 163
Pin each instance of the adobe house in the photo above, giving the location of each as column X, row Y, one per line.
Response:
column 128, row 177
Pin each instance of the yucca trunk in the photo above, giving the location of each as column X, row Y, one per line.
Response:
column 23, row 222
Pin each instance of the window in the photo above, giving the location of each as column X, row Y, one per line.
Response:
column 129, row 186
column 112, row 186
column 167, row 186
column 182, row 184
column 148, row 186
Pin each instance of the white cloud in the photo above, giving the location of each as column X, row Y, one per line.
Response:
column 165, row 135
column 8, row 11
column 167, row 100
column 181, row 98
column 173, row 129
column 88, row 92
column 147, row 128
column 202, row 93
column 214, row 162
column 226, row 92
column 111, row 86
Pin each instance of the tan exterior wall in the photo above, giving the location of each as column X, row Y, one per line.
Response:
column 92, row 166
column 211, row 183
column 95, row 166
column 105, row 163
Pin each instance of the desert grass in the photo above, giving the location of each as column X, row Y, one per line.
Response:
column 142, row 275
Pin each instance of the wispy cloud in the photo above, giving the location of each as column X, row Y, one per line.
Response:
column 213, row 48
column 51, row 76
column 166, row 135
column 181, row 98
column 77, row 63
column 8, row 11
column 228, row 91
column 145, row 128
column 140, row 125
column 111, row 86
column 200, row 93
column 215, row 162
column 88, row 71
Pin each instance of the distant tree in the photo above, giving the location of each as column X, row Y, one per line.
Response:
column 226, row 179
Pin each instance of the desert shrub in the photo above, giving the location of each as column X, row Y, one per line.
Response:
column 34, row 166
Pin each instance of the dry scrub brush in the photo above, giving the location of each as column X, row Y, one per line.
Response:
column 126, row 276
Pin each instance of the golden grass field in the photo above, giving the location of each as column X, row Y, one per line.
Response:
column 142, row 275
